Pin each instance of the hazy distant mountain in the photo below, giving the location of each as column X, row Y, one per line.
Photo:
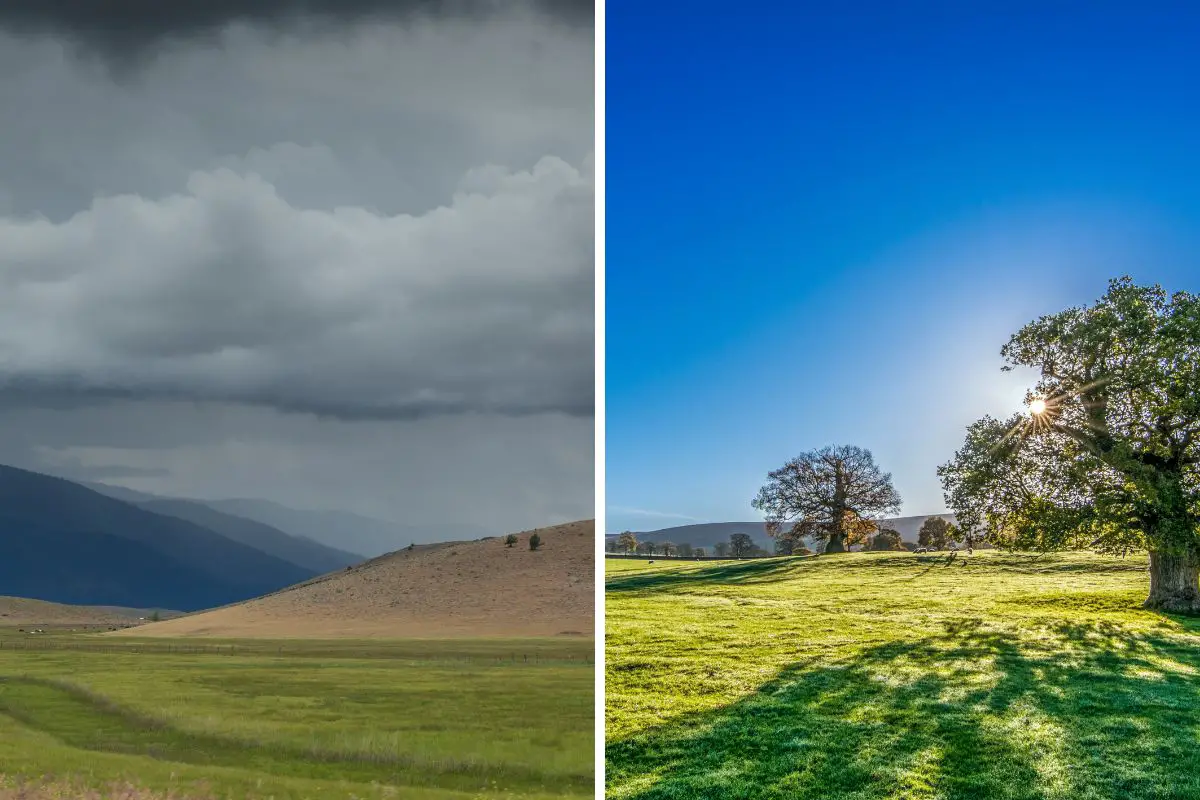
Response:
column 298, row 550
column 66, row 543
column 341, row 530
column 707, row 534
column 120, row 492
column 346, row 530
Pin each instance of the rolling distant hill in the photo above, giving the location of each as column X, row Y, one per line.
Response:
column 478, row 588
column 63, row 542
column 708, row 534
column 297, row 550
column 345, row 530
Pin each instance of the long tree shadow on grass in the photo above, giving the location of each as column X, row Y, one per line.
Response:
column 759, row 570
column 1083, row 711
column 772, row 570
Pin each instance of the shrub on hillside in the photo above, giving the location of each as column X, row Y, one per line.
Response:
column 510, row 540
column 886, row 539
column 535, row 542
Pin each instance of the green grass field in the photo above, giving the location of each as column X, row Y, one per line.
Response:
column 898, row 676
column 290, row 720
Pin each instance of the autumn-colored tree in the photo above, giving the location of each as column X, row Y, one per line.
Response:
column 1107, row 454
column 828, row 496
column 627, row 542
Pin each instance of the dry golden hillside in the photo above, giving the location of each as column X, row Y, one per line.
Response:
column 456, row 589
column 19, row 611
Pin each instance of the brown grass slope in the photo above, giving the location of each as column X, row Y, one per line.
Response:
column 456, row 589
column 21, row 611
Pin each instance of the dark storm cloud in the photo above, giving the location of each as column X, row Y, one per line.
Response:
column 121, row 29
column 229, row 293
column 329, row 259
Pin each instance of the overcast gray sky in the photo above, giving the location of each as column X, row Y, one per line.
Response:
column 336, row 255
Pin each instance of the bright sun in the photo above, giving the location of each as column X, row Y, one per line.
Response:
column 1038, row 407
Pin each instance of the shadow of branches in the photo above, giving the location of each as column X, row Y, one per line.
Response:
column 1071, row 711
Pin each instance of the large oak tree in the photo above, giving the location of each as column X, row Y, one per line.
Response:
column 828, row 495
column 1108, row 454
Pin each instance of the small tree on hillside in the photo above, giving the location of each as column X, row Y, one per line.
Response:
column 510, row 540
column 668, row 548
column 1108, row 454
column 721, row 549
column 627, row 542
column 886, row 539
column 535, row 542
column 828, row 495
column 935, row 533
column 740, row 545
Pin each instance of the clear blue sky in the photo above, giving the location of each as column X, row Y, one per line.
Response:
column 822, row 224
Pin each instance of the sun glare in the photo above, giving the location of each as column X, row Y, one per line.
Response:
column 1037, row 407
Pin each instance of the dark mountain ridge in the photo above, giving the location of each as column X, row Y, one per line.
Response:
column 66, row 543
column 297, row 550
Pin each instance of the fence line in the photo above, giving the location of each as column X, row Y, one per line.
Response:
column 27, row 645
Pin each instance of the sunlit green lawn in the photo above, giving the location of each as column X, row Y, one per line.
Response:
column 304, row 720
column 898, row 676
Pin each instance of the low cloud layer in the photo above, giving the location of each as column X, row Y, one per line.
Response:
column 227, row 292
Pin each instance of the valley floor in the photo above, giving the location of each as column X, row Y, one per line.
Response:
column 444, row 720
column 878, row 675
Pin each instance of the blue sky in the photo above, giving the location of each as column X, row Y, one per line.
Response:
column 822, row 225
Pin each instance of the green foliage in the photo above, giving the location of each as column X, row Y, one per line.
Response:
column 740, row 545
column 155, row 616
column 937, row 533
column 510, row 540
column 535, row 541
column 668, row 548
column 1015, row 676
column 886, row 539
column 1112, row 462
column 685, row 550
column 721, row 549
column 627, row 542
column 699, row 552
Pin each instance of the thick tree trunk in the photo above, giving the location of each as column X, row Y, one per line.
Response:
column 1174, row 583
column 836, row 543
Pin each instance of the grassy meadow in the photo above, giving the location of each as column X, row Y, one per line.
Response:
column 880, row 675
column 444, row 720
